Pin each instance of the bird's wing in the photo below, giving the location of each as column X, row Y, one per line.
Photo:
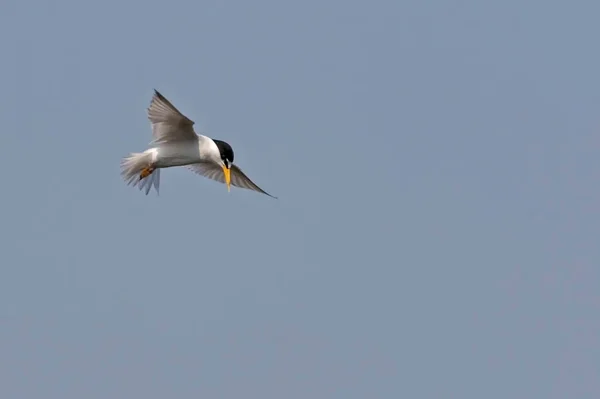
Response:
column 168, row 124
column 207, row 169
column 215, row 172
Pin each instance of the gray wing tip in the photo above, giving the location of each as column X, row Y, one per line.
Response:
column 260, row 190
column 157, row 96
column 160, row 101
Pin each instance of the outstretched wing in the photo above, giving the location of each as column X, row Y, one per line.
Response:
column 238, row 178
column 168, row 124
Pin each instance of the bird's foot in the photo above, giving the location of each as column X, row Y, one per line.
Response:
column 146, row 172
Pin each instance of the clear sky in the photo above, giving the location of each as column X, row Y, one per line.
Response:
column 436, row 232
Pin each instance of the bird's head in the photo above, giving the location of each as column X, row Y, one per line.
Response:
column 226, row 153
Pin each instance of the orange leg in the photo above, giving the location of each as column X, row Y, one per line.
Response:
column 146, row 172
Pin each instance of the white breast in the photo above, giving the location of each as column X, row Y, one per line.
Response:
column 177, row 153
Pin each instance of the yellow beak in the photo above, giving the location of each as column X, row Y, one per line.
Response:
column 227, row 174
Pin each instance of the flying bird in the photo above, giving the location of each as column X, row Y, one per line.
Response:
column 175, row 143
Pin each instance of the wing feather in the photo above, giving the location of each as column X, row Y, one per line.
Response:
column 168, row 124
column 238, row 178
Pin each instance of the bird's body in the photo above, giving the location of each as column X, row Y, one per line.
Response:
column 175, row 143
column 181, row 153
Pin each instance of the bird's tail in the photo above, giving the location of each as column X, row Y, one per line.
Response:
column 137, row 170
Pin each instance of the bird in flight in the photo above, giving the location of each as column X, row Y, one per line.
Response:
column 175, row 143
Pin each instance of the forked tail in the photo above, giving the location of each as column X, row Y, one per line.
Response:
column 137, row 170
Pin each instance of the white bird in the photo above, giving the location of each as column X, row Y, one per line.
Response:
column 175, row 143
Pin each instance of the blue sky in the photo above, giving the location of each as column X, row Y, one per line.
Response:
column 436, row 232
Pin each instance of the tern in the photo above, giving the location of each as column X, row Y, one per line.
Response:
column 175, row 143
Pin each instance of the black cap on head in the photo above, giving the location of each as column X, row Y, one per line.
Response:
column 226, row 152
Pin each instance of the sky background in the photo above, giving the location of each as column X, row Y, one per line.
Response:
column 436, row 232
